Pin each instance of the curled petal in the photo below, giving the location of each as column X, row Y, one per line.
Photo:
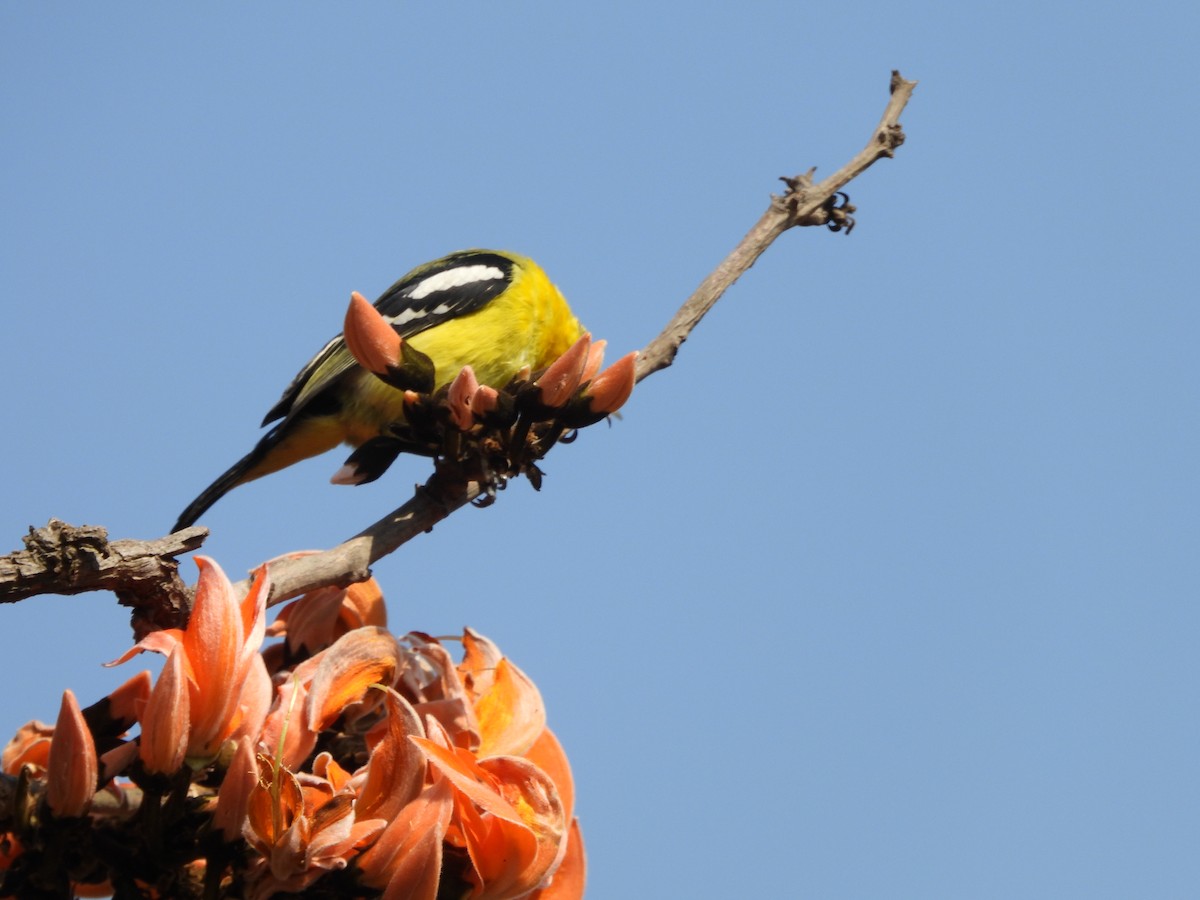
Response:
column 163, row 642
column 369, row 337
column 309, row 621
column 125, row 704
column 430, row 673
column 509, row 815
column 407, row 858
column 506, row 702
column 561, row 380
column 72, row 768
column 274, row 803
column 364, row 605
column 548, row 755
column 511, row 713
column 165, row 722
column 333, row 833
column 480, row 658
column 396, row 768
column 347, row 670
column 29, row 746
column 326, row 767
column 469, row 780
column 515, row 859
column 570, row 878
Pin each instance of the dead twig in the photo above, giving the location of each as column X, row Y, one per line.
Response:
column 804, row 203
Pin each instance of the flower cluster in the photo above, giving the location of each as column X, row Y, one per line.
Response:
column 491, row 434
column 341, row 761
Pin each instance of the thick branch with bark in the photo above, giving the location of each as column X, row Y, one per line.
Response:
column 802, row 203
column 66, row 559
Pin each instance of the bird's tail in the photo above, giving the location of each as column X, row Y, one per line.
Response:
column 239, row 473
column 288, row 442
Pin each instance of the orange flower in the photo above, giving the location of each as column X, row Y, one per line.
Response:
column 508, row 815
column 229, row 689
column 409, row 850
column 30, row 746
column 507, row 705
column 320, row 617
column 407, row 857
column 327, row 686
column 459, row 780
column 229, row 683
column 302, row 831
column 434, row 778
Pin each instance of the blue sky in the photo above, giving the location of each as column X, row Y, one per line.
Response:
column 888, row 588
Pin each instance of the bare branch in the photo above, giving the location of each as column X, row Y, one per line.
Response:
column 445, row 491
column 803, row 204
column 65, row 559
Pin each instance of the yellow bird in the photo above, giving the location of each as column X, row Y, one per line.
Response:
column 493, row 310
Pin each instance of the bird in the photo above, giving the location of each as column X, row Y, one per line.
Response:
column 493, row 310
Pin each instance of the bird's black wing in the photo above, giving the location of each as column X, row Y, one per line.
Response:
column 453, row 286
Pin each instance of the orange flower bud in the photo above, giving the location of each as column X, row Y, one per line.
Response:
column 72, row 768
column 462, row 392
column 233, row 799
column 165, row 722
column 369, row 338
column 612, row 387
column 485, row 400
column 595, row 360
column 561, row 380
